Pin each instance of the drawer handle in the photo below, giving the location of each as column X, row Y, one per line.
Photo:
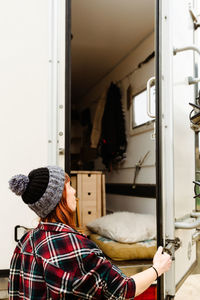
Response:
column 89, row 212
column 89, row 193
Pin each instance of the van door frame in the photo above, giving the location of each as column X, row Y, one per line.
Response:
column 159, row 209
column 68, row 87
column 159, row 206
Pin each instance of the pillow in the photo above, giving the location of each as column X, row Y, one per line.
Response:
column 125, row 227
column 121, row 251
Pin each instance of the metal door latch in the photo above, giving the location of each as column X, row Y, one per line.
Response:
column 171, row 246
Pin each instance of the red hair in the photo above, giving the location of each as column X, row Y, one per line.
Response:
column 62, row 213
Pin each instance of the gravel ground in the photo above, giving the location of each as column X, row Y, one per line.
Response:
column 191, row 287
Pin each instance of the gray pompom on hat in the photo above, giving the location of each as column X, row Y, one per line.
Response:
column 41, row 190
column 18, row 184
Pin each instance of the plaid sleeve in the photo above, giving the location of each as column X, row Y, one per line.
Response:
column 84, row 272
column 103, row 278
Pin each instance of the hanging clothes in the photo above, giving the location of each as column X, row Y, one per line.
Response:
column 96, row 128
column 113, row 141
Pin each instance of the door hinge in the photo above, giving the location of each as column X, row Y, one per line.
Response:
column 61, row 151
column 172, row 245
column 170, row 297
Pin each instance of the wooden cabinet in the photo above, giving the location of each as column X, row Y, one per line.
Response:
column 90, row 191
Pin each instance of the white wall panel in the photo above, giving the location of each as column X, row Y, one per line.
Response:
column 184, row 153
column 24, row 31
column 133, row 204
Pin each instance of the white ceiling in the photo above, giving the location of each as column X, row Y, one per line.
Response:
column 105, row 31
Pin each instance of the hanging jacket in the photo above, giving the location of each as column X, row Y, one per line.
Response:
column 113, row 136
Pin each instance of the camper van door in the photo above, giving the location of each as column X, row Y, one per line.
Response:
column 177, row 45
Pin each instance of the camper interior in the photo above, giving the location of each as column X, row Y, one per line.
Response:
column 112, row 50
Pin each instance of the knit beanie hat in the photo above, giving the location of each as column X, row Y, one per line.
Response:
column 41, row 189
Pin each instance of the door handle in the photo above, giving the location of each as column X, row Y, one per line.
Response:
column 188, row 225
column 191, row 80
column 18, row 234
column 172, row 245
column 195, row 237
column 150, row 82
column 190, row 47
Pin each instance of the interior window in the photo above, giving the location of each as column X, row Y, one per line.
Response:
column 139, row 108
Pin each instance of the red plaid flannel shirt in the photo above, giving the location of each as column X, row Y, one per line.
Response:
column 54, row 261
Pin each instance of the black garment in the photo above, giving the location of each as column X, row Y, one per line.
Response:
column 113, row 137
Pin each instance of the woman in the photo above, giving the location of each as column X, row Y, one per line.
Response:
column 54, row 261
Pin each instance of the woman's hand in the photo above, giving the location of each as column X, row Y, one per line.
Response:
column 161, row 261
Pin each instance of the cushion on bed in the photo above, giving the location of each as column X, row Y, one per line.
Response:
column 125, row 227
column 120, row 251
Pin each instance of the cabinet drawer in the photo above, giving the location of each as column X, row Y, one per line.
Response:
column 88, row 215
column 89, row 195
column 89, row 190
column 88, row 186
